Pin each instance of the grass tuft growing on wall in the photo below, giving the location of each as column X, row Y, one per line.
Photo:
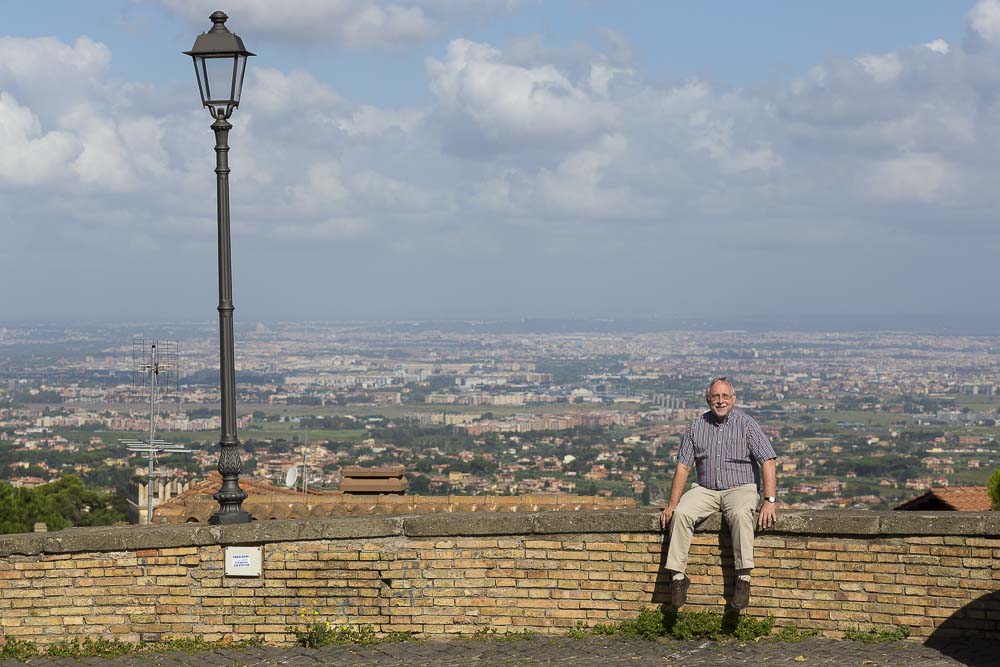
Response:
column 21, row 649
column 874, row 636
column 653, row 623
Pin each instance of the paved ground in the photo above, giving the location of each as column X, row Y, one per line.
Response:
column 598, row 651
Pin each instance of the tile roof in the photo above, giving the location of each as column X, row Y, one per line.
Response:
column 267, row 501
column 950, row 498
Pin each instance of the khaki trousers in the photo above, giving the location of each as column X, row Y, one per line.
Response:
column 737, row 505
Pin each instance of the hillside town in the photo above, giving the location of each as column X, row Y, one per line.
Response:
column 859, row 420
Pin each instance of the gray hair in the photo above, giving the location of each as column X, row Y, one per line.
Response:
column 721, row 378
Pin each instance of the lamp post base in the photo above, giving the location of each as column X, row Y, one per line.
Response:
column 228, row 518
column 230, row 496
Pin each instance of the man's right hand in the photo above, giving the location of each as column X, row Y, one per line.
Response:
column 665, row 515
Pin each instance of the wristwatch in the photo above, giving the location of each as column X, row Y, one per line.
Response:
column 770, row 499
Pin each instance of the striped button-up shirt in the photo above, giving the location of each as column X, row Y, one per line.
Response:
column 726, row 454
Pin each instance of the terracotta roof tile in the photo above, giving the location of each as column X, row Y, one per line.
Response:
column 268, row 501
column 376, row 471
column 954, row 498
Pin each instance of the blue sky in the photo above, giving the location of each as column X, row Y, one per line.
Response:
column 737, row 43
column 456, row 159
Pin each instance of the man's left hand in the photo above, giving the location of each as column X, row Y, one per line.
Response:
column 767, row 515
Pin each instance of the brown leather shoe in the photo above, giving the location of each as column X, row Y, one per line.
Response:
column 679, row 591
column 741, row 596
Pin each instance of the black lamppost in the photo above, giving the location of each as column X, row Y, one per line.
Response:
column 220, row 63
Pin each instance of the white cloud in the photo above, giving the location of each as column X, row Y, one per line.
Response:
column 520, row 150
column 496, row 192
column 382, row 192
column 363, row 197
column 106, row 159
column 70, row 122
column 105, row 162
column 716, row 137
column 602, row 75
column 48, row 75
column 45, row 59
column 487, row 7
column 324, row 187
column 938, row 46
column 515, row 106
column 914, row 177
column 31, row 157
column 369, row 120
column 273, row 92
column 346, row 23
column 882, row 68
column 354, row 23
column 578, row 187
column 281, row 95
column 582, row 186
column 984, row 21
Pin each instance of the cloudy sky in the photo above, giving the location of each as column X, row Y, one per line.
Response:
column 495, row 159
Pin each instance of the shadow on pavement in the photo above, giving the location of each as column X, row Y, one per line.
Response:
column 972, row 634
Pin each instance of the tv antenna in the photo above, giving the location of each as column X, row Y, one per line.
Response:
column 155, row 365
column 291, row 477
column 157, row 360
column 293, row 474
column 305, row 467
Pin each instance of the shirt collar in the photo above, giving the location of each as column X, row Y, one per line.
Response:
column 723, row 421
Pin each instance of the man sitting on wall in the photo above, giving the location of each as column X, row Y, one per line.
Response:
column 731, row 454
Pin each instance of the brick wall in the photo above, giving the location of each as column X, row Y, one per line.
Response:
column 456, row 573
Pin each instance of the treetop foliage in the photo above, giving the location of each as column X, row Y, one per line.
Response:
column 60, row 504
column 993, row 488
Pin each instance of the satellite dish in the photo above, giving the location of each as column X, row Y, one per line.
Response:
column 291, row 477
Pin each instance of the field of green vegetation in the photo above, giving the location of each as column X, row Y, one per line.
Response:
column 293, row 432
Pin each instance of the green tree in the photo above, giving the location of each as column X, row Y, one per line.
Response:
column 21, row 508
column 419, row 484
column 60, row 504
column 993, row 488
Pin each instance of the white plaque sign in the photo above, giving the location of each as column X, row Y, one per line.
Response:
column 244, row 561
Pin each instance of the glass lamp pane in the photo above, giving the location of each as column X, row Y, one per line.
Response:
column 199, row 71
column 241, row 66
column 219, row 79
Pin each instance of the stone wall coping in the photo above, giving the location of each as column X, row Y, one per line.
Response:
column 819, row 523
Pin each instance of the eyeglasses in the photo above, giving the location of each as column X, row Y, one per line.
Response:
column 724, row 397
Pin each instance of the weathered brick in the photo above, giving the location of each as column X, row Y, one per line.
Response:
column 440, row 585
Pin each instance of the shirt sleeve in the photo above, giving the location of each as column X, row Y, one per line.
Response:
column 760, row 446
column 685, row 454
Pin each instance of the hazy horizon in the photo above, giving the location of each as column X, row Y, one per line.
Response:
column 834, row 324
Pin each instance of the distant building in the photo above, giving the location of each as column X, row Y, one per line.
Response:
column 374, row 481
column 950, row 499
column 163, row 490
